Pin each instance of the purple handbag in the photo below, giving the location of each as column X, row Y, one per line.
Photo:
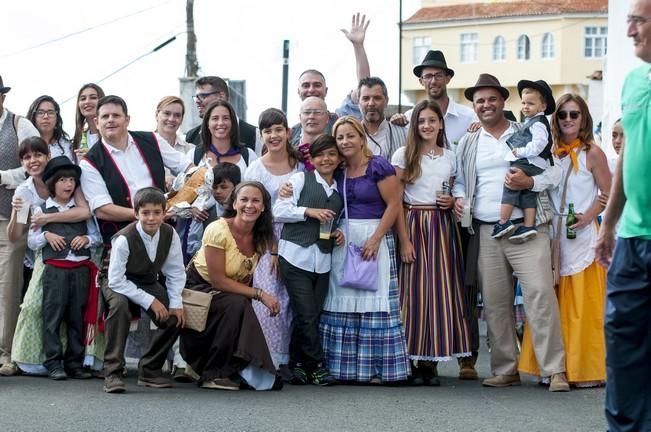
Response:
column 358, row 274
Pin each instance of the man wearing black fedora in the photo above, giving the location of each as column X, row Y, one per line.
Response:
column 435, row 75
column 492, row 262
column 13, row 130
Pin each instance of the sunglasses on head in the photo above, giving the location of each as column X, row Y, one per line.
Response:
column 573, row 114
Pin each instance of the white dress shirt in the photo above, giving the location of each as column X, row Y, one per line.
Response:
column 36, row 238
column 491, row 171
column 133, row 168
column 172, row 268
column 286, row 210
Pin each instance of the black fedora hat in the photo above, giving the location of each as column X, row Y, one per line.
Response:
column 57, row 163
column 434, row 59
column 486, row 80
column 544, row 89
column 3, row 89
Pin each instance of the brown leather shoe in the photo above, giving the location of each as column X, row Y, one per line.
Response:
column 558, row 383
column 9, row 369
column 502, row 381
column 467, row 369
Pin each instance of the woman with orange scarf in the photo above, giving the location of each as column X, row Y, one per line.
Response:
column 582, row 284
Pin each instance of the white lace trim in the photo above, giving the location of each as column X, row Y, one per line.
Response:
column 441, row 359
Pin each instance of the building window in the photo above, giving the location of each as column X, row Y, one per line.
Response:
column 421, row 46
column 548, row 46
column 595, row 42
column 499, row 49
column 469, row 47
column 524, row 48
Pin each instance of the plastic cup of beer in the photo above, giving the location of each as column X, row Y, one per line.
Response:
column 23, row 214
column 466, row 219
column 325, row 229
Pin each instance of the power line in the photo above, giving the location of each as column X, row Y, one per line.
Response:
column 78, row 32
column 121, row 68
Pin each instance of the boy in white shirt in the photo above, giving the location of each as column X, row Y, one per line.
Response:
column 305, row 256
column 142, row 252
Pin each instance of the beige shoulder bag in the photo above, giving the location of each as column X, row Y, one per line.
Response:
column 196, row 305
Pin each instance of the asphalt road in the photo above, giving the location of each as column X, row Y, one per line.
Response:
column 39, row 404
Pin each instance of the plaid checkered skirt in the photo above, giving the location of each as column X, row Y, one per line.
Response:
column 361, row 346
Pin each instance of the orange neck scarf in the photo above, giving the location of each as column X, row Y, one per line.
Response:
column 569, row 149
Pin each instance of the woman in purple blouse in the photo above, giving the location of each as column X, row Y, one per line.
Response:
column 361, row 331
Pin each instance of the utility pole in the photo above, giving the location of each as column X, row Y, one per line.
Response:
column 285, row 74
column 191, row 62
column 186, row 83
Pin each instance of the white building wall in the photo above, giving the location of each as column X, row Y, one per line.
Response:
column 619, row 62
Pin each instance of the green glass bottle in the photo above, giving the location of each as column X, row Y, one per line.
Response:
column 571, row 220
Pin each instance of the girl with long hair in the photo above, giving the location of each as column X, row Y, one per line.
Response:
column 273, row 169
column 86, row 133
column 431, row 272
column 45, row 114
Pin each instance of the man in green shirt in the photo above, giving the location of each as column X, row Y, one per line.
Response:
column 628, row 307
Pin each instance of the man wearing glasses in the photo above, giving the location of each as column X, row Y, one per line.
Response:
column 435, row 75
column 13, row 130
column 208, row 90
column 314, row 122
column 628, row 302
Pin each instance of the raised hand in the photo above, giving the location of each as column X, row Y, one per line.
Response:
column 357, row 31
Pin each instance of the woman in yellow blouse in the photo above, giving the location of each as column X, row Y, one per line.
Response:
column 232, row 351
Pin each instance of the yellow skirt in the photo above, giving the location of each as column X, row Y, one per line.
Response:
column 581, row 299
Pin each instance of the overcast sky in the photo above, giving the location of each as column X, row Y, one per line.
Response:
column 237, row 39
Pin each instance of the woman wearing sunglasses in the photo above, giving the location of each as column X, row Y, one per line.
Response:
column 582, row 286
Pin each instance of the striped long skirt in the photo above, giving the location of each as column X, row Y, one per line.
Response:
column 431, row 287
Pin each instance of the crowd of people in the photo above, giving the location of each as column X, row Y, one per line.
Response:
column 349, row 248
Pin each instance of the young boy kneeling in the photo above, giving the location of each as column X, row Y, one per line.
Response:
column 141, row 252
column 68, row 271
column 305, row 256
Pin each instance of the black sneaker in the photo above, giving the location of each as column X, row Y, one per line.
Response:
column 500, row 230
column 79, row 373
column 523, row 234
column 299, row 376
column 321, row 377
column 58, row 374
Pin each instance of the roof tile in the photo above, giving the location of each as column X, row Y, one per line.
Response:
column 506, row 9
